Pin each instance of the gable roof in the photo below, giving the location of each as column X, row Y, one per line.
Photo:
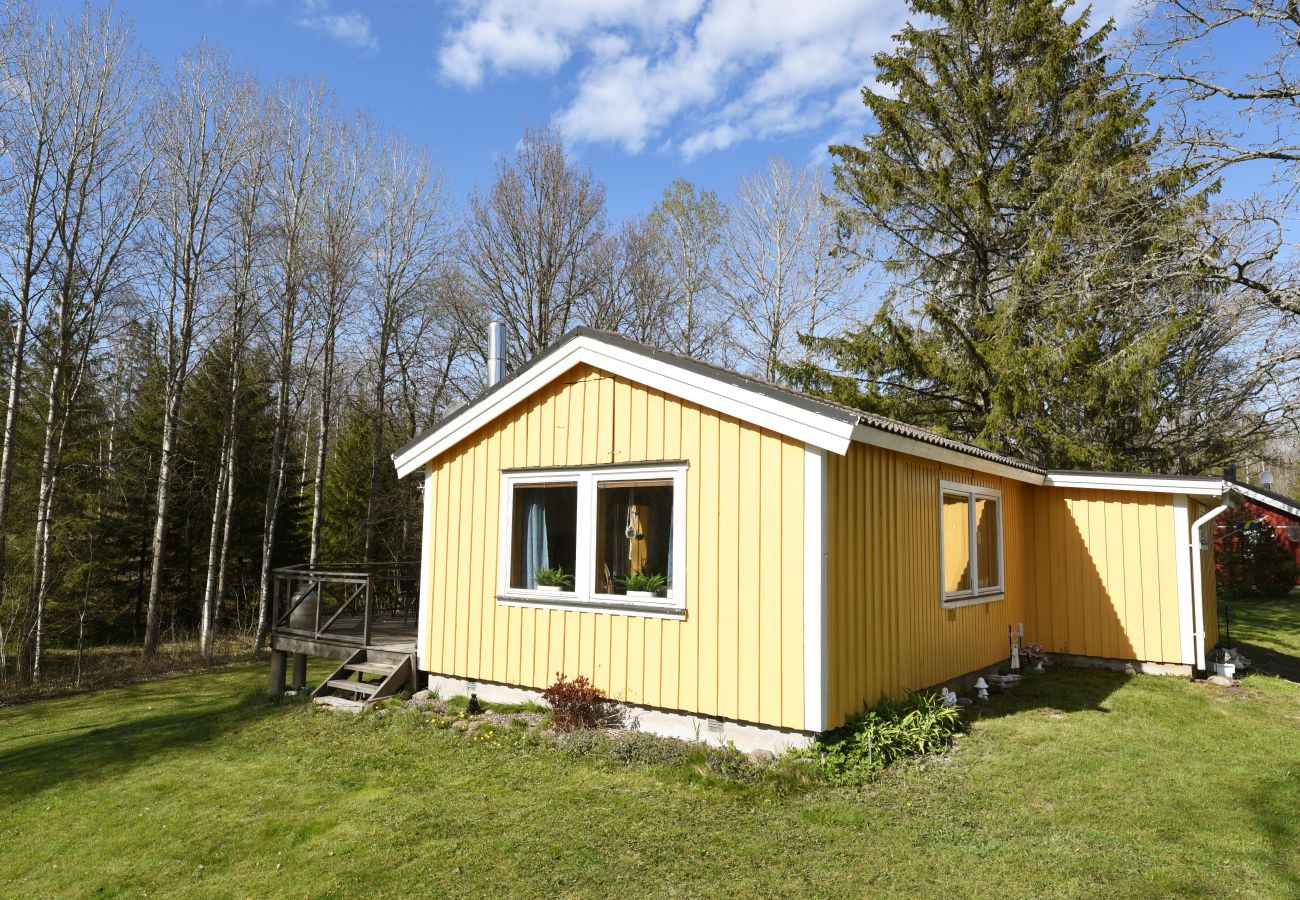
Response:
column 1263, row 497
column 822, row 423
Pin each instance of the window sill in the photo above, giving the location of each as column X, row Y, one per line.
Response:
column 574, row 603
column 958, row 602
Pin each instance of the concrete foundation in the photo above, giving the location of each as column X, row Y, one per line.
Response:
column 667, row 723
column 1129, row 666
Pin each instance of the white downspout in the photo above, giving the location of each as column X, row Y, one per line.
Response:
column 1198, row 593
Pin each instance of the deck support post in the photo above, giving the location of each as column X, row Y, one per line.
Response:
column 278, row 659
column 298, row 681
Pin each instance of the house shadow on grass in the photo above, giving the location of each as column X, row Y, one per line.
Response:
column 93, row 754
column 1063, row 689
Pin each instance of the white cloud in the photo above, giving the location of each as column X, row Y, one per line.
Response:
column 697, row 76
column 351, row 28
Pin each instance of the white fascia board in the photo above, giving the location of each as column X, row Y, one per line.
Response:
column 815, row 645
column 426, row 577
column 749, row 406
column 877, row 437
column 1265, row 500
column 1149, row 484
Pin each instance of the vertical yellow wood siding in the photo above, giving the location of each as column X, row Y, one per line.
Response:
column 1105, row 580
column 1089, row 572
column 739, row 652
column 887, row 630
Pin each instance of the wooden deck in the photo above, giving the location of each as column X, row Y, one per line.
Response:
column 392, row 633
column 333, row 611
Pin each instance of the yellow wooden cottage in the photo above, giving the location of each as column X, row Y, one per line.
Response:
column 734, row 559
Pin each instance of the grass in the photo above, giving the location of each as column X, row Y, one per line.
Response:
column 117, row 664
column 1267, row 632
column 1083, row 783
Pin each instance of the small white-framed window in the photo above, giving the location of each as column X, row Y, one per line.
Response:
column 970, row 544
column 602, row 537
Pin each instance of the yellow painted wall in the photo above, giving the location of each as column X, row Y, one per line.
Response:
column 887, row 629
column 1105, row 580
column 739, row 652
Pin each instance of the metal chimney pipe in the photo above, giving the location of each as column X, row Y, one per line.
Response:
column 496, row 353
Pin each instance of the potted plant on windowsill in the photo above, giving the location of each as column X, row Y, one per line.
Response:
column 552, row 581
column 643, row 585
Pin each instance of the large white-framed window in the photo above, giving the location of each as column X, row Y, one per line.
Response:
column 970, row 544
column 601, row 537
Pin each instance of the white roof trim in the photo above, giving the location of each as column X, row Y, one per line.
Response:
column 1264, row 499
column 877, row 437
column 752, row 406
column 1150, row 484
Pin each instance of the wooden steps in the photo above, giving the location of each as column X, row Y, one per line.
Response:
column 370, row 668
column 388, row 673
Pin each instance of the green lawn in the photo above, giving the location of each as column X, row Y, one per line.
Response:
column 1083, row 783
column 1267, row 632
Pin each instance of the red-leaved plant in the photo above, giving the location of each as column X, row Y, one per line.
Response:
column 578, row 704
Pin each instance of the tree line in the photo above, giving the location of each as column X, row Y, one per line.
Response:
column 227, row 302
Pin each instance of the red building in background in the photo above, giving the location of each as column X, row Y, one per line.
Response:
column 1276, row 510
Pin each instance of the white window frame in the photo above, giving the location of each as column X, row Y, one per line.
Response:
column 584, row 595
column 974, row 594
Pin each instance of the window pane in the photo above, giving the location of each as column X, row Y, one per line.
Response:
column 634, row 529
column 956, row 543
column 986, row 542
column 544, row 527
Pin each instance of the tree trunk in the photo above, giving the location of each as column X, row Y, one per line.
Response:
column 323, row 427
column 162, row 502
column 44, row 511
column 274, row 494
column 207, row 616
column 10, row 434
column 223, row 560
column 377, row 446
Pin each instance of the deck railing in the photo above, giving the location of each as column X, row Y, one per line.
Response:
column 340, row 602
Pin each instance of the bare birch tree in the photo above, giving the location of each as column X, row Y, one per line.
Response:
column 34, row 110
column 341, row 247
column 691, row 225
column 530, row 241
column 243, row 254
column 201, row 119
column 778, row 275
column 301, row 121
column 409, row 250
column 100, row 169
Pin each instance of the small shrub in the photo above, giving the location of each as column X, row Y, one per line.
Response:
column 584, row 742
column 893, row 730
column 639, row 747
column 728, row 762
column 578, row 704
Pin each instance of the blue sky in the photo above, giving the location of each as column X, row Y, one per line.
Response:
column 644, row 91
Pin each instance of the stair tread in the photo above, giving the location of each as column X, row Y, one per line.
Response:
column 371, row 668
column 341, row 703
column 359, row 687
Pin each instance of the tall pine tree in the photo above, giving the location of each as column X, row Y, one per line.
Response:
column 1044, row 274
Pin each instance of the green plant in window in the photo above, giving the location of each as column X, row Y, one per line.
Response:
column 651, row 583
column 557, row 577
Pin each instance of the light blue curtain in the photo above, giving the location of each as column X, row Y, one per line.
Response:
column 536, row 553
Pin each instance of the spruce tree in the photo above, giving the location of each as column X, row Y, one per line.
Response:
column 1044, row 273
